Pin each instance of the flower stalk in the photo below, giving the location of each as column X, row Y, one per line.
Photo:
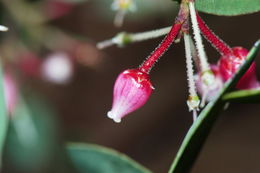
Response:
column 219, row 44
column 124, row 38
column 193, row 99
column 182, row 17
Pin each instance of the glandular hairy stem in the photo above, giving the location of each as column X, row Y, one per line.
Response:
column 219, row 44
column 182, row 17
column 197, row 37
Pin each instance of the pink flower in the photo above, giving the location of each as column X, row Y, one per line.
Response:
column 10, row 92
column 230, row 63
column 131, row 91
column 209, row 91
column 55, row 8
column 57, row 68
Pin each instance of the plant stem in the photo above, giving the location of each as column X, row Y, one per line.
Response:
column 199, row 131
column 190, row 71
column 149, row 34
column 159, row 51
column 199, row 45
column 219, row 44
column 133, row 37
column 182, row 17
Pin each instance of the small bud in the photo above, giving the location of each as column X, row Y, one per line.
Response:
column 230, row 63
column 208, row 78
column 209, row 83
column 131, row 91
column 193, row 102
column 57, row 68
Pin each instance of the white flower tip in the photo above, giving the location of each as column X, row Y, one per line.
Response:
column 3, row 28
column 113, row 117
column 193, row 103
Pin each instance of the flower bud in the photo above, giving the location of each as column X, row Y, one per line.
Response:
column 131, row 91
column 209, row 83
column 230, row 63
column 57, row 68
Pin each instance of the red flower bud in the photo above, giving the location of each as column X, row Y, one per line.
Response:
column 230, row 63
column 131, row 91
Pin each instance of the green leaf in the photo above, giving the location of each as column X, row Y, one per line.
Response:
column 200, row 129
column 30, row 142
column 228, row 7
column 3, row 115
column 89, row 158
column 243, row 96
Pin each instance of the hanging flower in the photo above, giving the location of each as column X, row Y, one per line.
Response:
column 133, row 87
column 131, row 91
column 230, row 63
column 209, row 91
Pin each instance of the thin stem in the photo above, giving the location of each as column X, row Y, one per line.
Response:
column 194, row 54
column 133, row 37
column 119, row 18
column 160, row 50
column 219, row 44
column 149, row 34
column 194, row 115
column 190, row 72
column 193, row 99
column 202, row 55
column 147, row 65
column 106, row 43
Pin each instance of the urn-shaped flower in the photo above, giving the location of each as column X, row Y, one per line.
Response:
column 230, row 63
column 131, row 91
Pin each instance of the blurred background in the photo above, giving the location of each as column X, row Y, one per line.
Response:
column 56, row 74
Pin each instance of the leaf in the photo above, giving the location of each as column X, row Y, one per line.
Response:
column 89, row 158
column 31, row 137
column 228, row 7
column 200, row 129
column 3, row 115
column 243, row 96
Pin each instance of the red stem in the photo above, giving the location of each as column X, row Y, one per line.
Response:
column 220, row 45
column 160, row 50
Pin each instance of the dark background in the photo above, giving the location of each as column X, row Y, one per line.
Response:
column 153, row 134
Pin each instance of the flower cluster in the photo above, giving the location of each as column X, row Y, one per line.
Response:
column 133, row 87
